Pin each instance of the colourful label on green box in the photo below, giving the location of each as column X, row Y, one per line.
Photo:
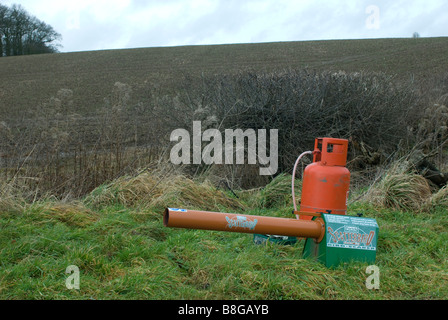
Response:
column 351, row 232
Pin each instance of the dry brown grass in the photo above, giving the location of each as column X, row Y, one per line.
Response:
column 278, row 192
column 74, row 213
column 162, row 188
column 11, row 197
column 400, row 189
column 438, row 199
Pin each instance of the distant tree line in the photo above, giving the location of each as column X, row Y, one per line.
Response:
column 21, row 33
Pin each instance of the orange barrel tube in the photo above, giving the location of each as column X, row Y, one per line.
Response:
column 231, row 222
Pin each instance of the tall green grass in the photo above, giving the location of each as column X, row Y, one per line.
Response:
column 125, row 252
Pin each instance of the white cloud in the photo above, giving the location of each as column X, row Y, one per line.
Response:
column 108, row 24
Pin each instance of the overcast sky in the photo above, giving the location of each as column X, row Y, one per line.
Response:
column 112, row 24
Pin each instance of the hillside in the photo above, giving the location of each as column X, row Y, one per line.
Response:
column 27, row 81
column 84, row 181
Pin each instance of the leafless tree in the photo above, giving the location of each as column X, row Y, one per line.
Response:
column 21, row 33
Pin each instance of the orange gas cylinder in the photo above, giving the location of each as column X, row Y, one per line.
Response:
column 326, row 181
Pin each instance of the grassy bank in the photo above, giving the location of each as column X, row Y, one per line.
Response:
column 123, row 251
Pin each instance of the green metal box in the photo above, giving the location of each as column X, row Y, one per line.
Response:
column 346, row 239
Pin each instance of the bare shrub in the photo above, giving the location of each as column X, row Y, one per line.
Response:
column 68, row 154
column 56, row 150
column 432, row 129
column 377, row 114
